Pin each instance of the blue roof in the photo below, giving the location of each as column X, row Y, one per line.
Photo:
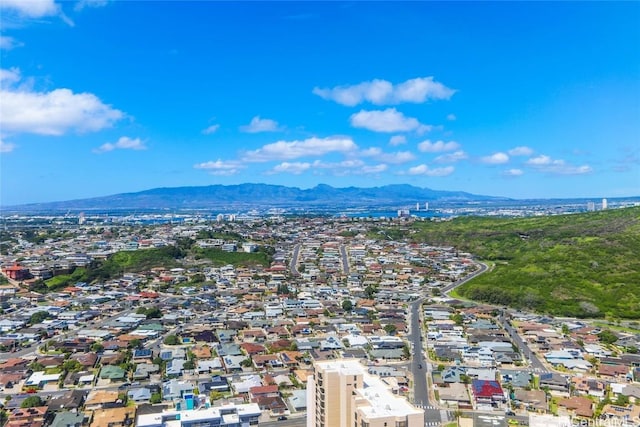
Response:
column 145, row 352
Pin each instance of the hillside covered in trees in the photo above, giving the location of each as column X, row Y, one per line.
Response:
column 584, row 265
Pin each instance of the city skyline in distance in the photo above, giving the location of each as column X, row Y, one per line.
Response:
column 501, row 99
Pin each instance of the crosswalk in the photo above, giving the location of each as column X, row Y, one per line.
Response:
column 432, row 423
column 425, row 407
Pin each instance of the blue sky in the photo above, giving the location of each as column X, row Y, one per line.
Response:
column 522, row 99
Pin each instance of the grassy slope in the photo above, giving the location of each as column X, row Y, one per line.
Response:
column 582, row 265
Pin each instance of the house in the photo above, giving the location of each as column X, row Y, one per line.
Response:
column 555, row 382
column 454, row 394
column 487, row 393
column 69, row 419
column 39, row 379
column 298, row 400
column 112, row 373
column 217, row 383
column 533, row 400
column 71, row 400
column 211, row 365
column 141, row 394
column 629, row 414
column 27, row 417
column 113, row 417
column 175, row 389
column 577, row 406
column 100, row 398
column 613, row 371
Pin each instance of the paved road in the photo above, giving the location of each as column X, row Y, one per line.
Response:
column 449, row 288
column 294, row 260
column 536, row 364
column 418, row 367
column 290, row 422
column 345, row 259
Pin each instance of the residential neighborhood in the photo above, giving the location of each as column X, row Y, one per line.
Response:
column 235, row 340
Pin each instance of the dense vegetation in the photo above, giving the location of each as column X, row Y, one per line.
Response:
column 583, row 265
column 145, row 259
column 241, row 259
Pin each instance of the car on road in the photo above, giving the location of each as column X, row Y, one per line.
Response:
column 420, row 366
column 282, row 418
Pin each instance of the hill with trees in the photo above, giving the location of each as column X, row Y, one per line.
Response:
column 583, row 265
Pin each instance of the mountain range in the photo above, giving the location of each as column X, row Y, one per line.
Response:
column 260, row 196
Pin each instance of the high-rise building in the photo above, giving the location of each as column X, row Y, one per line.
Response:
column 591, row 206
column 341, row 393
column 604, row 204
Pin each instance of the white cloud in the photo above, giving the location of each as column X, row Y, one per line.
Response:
column 51, row 113
column 389, row 120
column 495, row 159
column 258, row 124
column 540, row 160
column 425, row 170
column 9, row 77
column 383, row 92
column 124, row 143
column 350, row 167
column 521, row 151
column 31, row 8
column 546, row 164
column 397, row 157
column 221, row 167
column 451, row 158
column 295, row 168
column 451, row 117
column 8, row 43
column 437, row 147
column 397, row 140
column 373, row 169
column 513, row 172
column 287, row 150
column 343, row 168
column 6, row 147
column 211, row 129
column 90, row 3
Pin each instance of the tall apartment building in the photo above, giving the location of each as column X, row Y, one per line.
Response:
column 342, row 394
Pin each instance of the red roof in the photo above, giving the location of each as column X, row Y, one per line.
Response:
column 485, row 388
column 263, row 389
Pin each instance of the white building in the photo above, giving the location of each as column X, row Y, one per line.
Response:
column 341, row 393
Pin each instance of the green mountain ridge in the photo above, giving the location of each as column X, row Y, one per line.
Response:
column 582, row 265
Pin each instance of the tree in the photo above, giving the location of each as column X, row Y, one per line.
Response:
column 458, row 318
column 189, row 365
column 622, row 400
column 38, row 317
column 607, row 337
column 171, row 340
column 155, row 398
column 71, row 365
column 135, row 343
column 565, row 329
column 390, row 328
column 96, row 347
column 36, row 366
column 370, row 291
column 31, row 401
column 347, row 305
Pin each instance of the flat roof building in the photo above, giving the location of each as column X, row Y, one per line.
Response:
column 341, row 393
